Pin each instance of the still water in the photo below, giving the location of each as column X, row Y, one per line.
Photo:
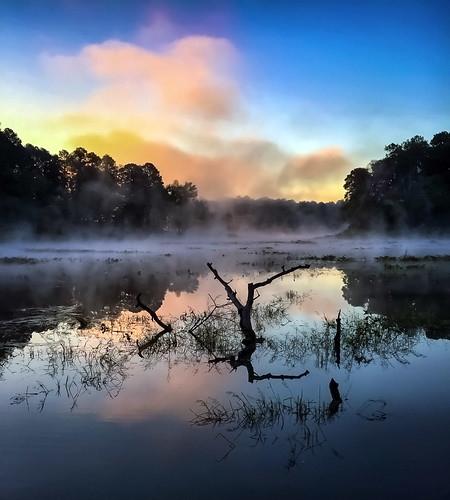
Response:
column 86, row 414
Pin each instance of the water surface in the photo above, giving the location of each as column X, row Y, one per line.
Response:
column 83, row 415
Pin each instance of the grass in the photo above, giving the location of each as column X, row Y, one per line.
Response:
column 255, row 413
column 298, row 420
column 413, row 258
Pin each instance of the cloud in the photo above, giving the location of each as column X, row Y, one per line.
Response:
column 241, row 171
column 157, row 29
column 317, row 175
column 190, row 76
column 179, row 106
column 239, row 168
column 319, row 166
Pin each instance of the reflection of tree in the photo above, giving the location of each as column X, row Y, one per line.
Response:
column 224, row 334
column 413, row 294
column 213, row 335
column 86, row 289
column 73, row 364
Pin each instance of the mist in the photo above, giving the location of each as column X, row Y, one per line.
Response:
column 81, row 195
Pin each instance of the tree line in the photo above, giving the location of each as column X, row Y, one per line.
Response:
column 79, row 191
column 53, row 195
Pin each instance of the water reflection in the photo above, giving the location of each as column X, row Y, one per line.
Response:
column 336, row 348
column 98, row 358
column 412, row 295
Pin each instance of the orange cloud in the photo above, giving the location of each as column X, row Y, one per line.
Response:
column 318, row 175
column 321, row 165
column 239, row 168
column 191, row 76
column 237, row 173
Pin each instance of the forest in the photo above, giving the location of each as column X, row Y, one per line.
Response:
column 406, row 190
column 79, row 191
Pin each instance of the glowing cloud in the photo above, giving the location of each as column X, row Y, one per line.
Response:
column 239, row 167
column 189, row 77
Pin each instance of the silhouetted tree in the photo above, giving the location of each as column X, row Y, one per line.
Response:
column 407, row 189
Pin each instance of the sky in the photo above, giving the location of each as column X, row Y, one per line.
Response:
column 244, row 98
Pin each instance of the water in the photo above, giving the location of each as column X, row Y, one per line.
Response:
column 84, row 416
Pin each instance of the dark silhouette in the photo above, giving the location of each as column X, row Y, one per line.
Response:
column 166, row 327
column 250, row 340
column 55, row 194
column 407, row 189
column 58, row 195
column 337, row 340
column 336, row 399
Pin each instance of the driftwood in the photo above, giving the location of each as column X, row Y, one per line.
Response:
column 250, row 341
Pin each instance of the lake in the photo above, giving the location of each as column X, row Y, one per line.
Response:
column 344, row 394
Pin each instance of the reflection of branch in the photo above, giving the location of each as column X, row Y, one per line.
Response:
column 244, row 358
column 166, row 328
column 281, row 377
column 152, row 313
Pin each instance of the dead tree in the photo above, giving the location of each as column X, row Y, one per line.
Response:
column 250, row 341
column 245, row 309
column 166, row 327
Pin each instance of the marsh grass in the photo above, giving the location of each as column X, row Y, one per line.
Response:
column 256, row 413
column 297, row 420
column 69, row 366
column 365, row 338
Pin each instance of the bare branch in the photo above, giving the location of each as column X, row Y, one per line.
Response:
column 278, row 275
column 230, row 292
column 154, row 316
column 150, row 342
